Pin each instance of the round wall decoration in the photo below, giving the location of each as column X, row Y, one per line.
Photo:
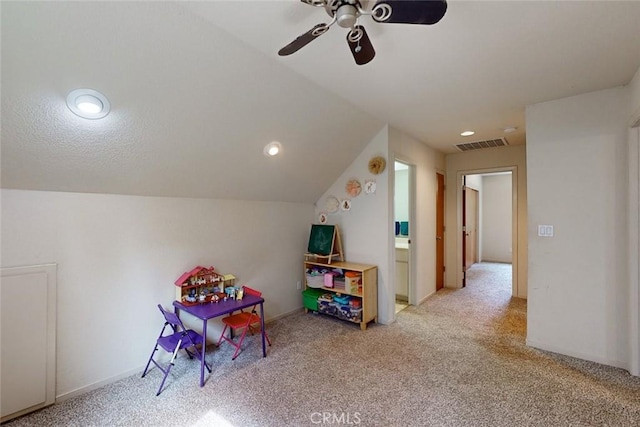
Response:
column 370, row 186
column 332, row 204
column 353, row 187
column 322, row 218
column 377, row 165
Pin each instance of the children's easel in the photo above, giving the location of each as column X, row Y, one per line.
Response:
column 324, row 243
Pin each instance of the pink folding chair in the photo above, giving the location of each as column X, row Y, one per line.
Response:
column 181, row 338
column 247, row 321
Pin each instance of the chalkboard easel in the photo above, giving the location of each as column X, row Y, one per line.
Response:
column 324, row 243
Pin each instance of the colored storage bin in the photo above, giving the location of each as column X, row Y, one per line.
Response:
column 327, row 307
column 341, row 299
column 315, row 281
column 353, row 282
column 310, row 298
column 355, row 314
column 328, row 279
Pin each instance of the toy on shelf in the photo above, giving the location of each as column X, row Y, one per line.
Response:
column 202, row 285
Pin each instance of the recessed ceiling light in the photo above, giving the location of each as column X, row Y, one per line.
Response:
column 88, row 103
column 510, row 129
column 272, row 148
column 467, row 133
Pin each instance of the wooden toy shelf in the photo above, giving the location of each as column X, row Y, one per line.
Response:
column 368, row 294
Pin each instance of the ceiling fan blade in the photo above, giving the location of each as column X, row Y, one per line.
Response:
column 361, row 48
column 315, row 2
column 425, row 12
column 303, row 40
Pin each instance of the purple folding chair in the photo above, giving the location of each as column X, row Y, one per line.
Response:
column 181, row 339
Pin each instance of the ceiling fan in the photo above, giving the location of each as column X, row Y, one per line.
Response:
column 346, row 14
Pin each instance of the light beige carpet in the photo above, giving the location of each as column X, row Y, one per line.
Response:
column 457, row 360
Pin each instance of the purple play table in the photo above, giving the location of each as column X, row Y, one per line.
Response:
column 208, row 311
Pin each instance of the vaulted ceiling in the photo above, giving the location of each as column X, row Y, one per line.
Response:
column 197, row 88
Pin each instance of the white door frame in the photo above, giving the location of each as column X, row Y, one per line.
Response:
column 634, row 248
column 411, row 292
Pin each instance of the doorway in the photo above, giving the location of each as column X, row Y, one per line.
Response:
column 403, row 217
column 487, row 221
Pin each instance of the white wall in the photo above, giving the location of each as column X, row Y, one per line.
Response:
column 365, row 228
column 118, row 257
column 496, row 218
column 485, row 161
column 427, row 162
column 401, row 195
column 634, row 225
column 368, row 231
column 577, row 175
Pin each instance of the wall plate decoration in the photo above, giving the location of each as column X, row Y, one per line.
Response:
column 377, row 165
column 332, row 204
column 345, row 205
column 322, row 218
column 370, row 186
column 353, row 188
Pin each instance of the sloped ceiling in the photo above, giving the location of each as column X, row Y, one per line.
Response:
column 197, row 89
column 192, row 108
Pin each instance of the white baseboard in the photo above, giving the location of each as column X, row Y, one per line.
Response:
column 426, row 298
column 86, row 389
column 280, row 316
column 577, row 355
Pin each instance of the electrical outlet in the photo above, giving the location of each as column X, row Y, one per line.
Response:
column 298, row 285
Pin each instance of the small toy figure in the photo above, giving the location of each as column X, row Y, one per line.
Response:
column 231, row 292
column 202, row 297
column 192, row 296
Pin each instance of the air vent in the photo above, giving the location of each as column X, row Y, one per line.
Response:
column 478, row 145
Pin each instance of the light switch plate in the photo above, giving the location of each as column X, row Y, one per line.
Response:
column 545, row 230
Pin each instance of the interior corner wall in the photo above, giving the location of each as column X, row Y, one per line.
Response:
column 485, row 161
column 118, row 257
column 365, row 228
column 427, row 162
column 578, row 180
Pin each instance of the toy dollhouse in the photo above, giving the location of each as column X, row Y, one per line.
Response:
column 201, row 285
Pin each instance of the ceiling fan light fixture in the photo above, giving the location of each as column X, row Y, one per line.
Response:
column 88, row 103
column 346, row 16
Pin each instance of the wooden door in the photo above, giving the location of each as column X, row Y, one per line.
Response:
column 471, row 227
column 440, row 232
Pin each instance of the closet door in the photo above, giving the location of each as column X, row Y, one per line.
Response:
column 28, row 322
